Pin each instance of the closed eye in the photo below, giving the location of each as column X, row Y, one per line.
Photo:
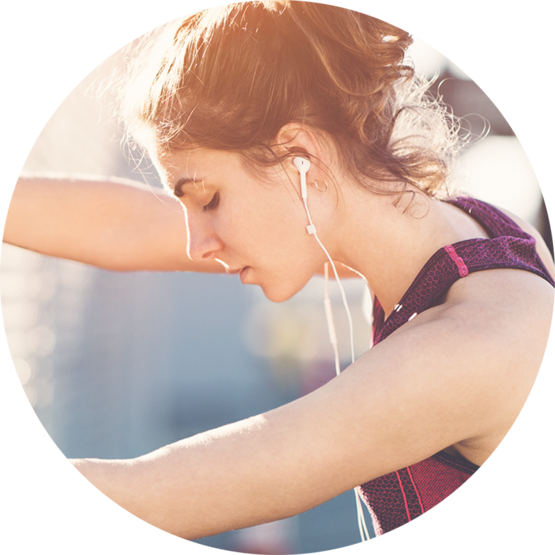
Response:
column 213, row 204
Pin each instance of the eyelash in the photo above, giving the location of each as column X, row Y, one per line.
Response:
column 213, row 204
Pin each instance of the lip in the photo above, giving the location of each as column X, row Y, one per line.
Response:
column 243, row 273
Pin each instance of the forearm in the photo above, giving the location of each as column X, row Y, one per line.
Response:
column 173, row 499
column 114, row 224
column 214, row 482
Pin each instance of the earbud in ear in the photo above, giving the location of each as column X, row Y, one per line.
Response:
column 303, row 165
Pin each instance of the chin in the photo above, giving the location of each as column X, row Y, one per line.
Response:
column 281, row 294
column 276, row 296
column 279, row 298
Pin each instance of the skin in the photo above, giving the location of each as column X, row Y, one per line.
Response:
column 455, row 377
column 255, row 229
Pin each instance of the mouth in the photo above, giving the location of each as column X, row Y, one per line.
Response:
column 236, row 271
column 243, row 274
column 241, row 271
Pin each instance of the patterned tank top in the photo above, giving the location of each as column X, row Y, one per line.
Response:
column 399, row 497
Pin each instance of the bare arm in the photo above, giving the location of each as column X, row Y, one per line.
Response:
column 115, row 224
column 446, row 378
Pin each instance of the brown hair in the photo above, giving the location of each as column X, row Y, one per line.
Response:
column 230, row 78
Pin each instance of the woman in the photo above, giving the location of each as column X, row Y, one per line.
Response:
column 235, row 98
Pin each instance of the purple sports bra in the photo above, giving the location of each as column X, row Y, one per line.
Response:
column 399, row 497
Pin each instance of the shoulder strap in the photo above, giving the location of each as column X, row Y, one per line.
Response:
column 510, row 247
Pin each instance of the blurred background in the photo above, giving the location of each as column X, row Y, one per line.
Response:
column 119, row 364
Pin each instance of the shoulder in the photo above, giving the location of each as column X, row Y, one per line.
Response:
column 505, row 312
column 541, row 247
column 498, row 322
column 513, row 307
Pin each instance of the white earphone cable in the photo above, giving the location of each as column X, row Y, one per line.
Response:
column 312, row 230
column 363, row 530
column 303, row 165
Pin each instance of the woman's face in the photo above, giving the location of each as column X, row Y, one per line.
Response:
column 252, row 226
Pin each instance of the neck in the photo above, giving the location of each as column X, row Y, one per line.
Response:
column 394, row 242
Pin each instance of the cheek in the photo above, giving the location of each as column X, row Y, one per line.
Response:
column 261, row 218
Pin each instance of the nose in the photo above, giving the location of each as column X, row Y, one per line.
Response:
column 202, row 241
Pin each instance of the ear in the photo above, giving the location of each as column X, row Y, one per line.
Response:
column 295, row 139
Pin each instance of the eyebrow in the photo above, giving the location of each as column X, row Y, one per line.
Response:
column 183, row 182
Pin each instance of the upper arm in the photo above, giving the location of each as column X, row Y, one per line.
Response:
column 459, row 372
column 422, row 390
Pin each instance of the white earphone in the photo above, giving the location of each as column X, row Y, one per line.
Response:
column 303, row 165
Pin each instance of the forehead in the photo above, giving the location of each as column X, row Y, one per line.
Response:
column 196, row 165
